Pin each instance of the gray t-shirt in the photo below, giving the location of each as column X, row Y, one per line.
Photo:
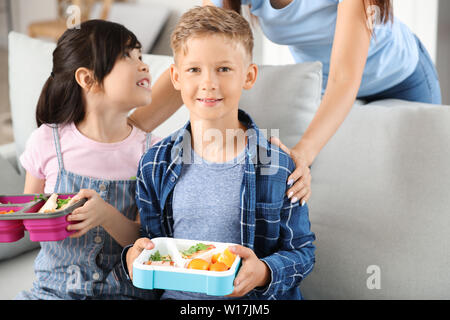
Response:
column 206, row 206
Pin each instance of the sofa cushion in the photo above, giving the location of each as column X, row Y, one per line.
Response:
column 380, row 205
column 30, row 64
column 285, row 98
column 274, row 102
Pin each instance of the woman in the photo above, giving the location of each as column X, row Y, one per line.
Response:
column 365, row 52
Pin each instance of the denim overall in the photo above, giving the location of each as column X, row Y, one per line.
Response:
column 87, row 267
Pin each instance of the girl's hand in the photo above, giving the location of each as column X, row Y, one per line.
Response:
column 301, row 190
column 92, row 214
column 253, row 273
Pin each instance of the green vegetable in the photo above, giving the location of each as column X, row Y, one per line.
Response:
column 158, row 257
column 40, row 197
column 194, row 249
column 61, row 202
column 133, row 178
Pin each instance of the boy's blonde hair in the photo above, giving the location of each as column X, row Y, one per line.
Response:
column 210, row 20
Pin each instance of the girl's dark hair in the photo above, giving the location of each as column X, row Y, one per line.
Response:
column 95, row 45
column 385, row 6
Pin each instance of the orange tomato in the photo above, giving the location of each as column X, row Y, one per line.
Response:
column 218, row 266
column 227, row 258
column 198, row 264
column 214, row 257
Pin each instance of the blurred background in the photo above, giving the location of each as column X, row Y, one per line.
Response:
column 153, row 20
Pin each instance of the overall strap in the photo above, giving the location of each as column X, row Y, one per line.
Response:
column 58, row 146
column 148, row 141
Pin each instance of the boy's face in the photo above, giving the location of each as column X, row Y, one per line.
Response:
column 211, row 76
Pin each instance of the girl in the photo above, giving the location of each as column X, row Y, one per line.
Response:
column 84, row 144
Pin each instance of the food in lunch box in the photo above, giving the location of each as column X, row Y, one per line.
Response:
column 54, row 204
column 40, row 197
column 157, row 259
column 218, row 266
column 195, row 250
column 198, row 264
column 6, row 212
column 226, row 257
column 221, row 261
column 214, row 257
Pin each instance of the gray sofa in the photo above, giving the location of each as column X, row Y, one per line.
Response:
column 380, row 207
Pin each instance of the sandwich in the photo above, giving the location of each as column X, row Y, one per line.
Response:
column 54, row 204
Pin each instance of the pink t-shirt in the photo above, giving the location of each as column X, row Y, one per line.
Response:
column 81, row 155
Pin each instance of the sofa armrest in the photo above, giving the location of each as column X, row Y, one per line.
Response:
column 12, row 181
column 8, row 152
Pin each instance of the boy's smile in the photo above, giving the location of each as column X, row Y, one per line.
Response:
column 209, row 102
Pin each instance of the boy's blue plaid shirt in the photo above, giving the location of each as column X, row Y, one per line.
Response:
column 276, row 230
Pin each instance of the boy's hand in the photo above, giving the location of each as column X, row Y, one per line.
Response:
column 93, row 213
column 253, row 272
column 135, row 251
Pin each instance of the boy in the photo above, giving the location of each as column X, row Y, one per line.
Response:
column 191, row 186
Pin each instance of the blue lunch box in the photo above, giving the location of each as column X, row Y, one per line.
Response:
column 178, row 276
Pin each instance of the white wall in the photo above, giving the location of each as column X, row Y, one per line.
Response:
column 27, row 11
column 23, row 13
column 421, row 16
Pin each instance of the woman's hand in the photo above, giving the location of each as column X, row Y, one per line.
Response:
column 253, row 273
column 95, row 212
column 300, row 180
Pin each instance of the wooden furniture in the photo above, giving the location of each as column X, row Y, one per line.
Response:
column 53, row 29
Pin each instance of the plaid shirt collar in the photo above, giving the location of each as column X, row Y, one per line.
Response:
column 255, row 137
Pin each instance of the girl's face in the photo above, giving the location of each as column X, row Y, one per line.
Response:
column 128, row 85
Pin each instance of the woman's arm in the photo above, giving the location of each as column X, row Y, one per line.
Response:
column 348, row 58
